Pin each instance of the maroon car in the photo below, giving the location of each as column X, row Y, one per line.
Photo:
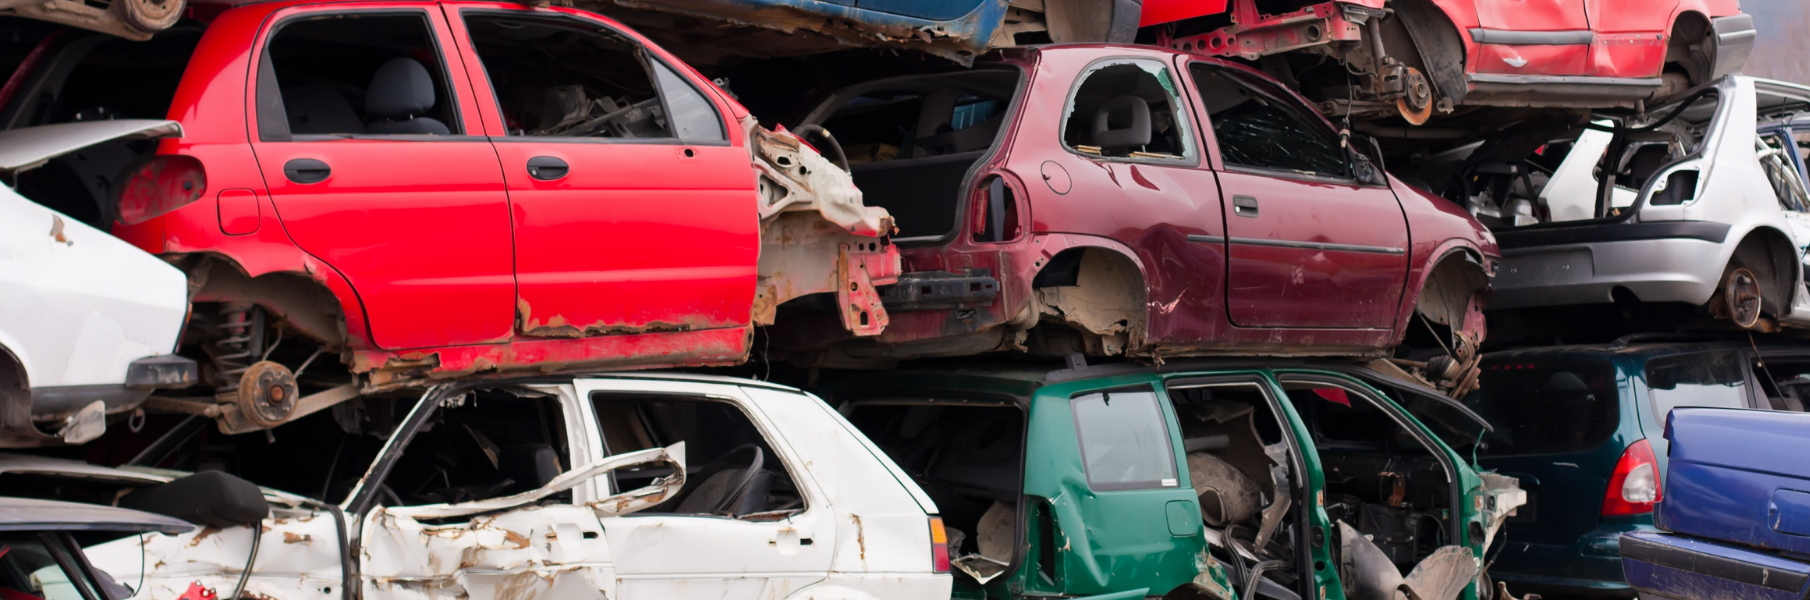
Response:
column 1138, row 201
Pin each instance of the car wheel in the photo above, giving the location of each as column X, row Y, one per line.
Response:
column 149, row 16
column 1741, row 294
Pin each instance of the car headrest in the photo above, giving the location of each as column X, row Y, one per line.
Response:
column 209, row 498
column 400, row 89
column 530, row 465
column 1122, row 122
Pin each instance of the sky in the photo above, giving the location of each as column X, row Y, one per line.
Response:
column 1782, row 50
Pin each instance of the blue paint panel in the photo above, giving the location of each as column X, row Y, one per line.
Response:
column 1657, row 580
column 1724, row 469
column 934, row 10
column 1790, row 512
column 1678, row 566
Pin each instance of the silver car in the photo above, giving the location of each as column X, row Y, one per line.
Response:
column 1699, row 208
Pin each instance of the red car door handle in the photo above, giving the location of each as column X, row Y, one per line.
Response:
column 547, row 168
column 306, row 170
column 1244, row 206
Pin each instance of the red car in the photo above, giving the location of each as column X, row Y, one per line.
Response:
column 1418, row 57
column 1129, row 200
column 423, row 190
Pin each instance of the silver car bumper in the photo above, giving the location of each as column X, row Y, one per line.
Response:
column 1655, row 270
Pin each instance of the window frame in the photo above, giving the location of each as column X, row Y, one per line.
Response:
column 589, row 399
column 1744, row 363
column 645, row 53
column 1285, row 418
column 276, row 130
column 1181, row 109
column 1157, row 397
column 1295, row 110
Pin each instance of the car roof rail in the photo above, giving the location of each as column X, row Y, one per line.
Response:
column 1622, row 343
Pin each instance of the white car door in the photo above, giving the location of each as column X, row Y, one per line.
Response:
column 660, row 555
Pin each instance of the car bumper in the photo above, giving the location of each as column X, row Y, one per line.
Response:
column 1673, row 566
column 1590, row 565
column 1655, row 270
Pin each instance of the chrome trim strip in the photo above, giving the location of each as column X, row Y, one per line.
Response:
column 1532, row 38
column 1206, row 239
column 1315, row 245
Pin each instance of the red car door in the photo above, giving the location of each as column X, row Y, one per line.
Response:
column 1307, row 245
column 1631, row 36
column 361, row 130
column 1532, row 37
column 632, row 210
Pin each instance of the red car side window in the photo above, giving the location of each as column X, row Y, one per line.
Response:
column 340, row 75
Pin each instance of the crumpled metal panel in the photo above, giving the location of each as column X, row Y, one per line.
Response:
column 817, row 236
column 959, row 39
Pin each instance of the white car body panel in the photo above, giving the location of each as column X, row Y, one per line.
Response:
column 864, row 531
column 78, row 305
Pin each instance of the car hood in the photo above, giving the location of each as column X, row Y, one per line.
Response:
column 29, row 147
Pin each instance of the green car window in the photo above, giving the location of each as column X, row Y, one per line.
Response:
column 1124, row 440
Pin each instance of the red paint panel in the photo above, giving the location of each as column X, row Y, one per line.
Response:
column 1532, row 15
column 1168, row 11
column 717, row 347
column 1631, row 16
column 1628, row 54
column 238, row 211
column 1532, row 60
column 419, row 228
column 1275, row 286
column 634, row 236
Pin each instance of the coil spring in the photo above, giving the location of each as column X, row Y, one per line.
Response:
column 241, row 332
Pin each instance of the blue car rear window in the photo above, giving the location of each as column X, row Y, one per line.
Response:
column 1546, row 405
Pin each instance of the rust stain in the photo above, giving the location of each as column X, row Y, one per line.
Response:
column 860, row 538
column 56, row 231
column 292, row 538
column 206, row 532
column 515, row 538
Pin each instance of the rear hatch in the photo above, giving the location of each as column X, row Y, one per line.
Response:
column 1739, row 476
column 1555, row 419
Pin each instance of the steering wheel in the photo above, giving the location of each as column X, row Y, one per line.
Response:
column 828, row 140
column 739, row 486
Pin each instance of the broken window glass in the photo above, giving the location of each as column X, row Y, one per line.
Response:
column 1713, row 379
column 555, row 77
column 731, row 469
column 1128, row 110
column 357, row 74
column 480, row 446
column 1259, row 126
column 1124, row 441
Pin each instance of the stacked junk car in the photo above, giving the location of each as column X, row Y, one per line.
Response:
column 887, row 299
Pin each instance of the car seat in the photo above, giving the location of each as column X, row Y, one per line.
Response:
column 529, row 466
column 1131, row 127
column 400, row 93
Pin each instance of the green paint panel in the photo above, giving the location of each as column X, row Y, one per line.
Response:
column 1184, row 518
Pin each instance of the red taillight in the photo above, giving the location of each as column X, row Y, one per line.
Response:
column 939, row 546
column 1635, row 486
column 164, row 184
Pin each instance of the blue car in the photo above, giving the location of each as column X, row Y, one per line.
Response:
column 1735, row 519
column 958, row 30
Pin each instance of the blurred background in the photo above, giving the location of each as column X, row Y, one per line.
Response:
column 1783, row 49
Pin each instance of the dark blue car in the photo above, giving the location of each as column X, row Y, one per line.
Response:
column 1581, row 425
column 1735, row 520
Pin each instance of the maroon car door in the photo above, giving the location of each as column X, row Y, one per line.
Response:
column 633, row 212
column 364, row 133
column 1307, row 244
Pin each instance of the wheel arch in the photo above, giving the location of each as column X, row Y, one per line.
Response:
column 1770, row 254
column 1689, row 28
column 1455, row 276
column 1098, row 289
column 318, row 302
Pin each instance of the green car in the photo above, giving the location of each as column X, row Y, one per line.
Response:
column 1314, row 480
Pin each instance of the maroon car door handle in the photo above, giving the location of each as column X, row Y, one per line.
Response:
column 1244, row 206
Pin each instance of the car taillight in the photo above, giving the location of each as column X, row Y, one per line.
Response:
column 996, row 210
column 164, row 184
column 1635, row 485
column 939, row 546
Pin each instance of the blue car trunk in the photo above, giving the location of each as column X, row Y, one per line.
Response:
column 1739, row 476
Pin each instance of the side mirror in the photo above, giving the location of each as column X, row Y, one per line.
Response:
column 620, row 504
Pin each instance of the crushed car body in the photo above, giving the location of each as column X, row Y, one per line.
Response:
column 347, row 227
column 89, row 324
column 1074, row 198
column 644, row 486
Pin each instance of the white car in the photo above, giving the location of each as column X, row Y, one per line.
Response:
column 88, row 322
column 638, row 486
column 1700, row 208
